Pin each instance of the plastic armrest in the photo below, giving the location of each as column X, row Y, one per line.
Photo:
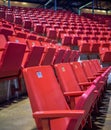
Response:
column 91, row 78
column 98, row 74
column 58, row 114
column 85, row 84
column 101, row 71
column 74, row 93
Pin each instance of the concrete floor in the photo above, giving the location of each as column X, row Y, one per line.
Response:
column 17, row 115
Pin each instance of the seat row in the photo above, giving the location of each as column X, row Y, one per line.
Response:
column 52, row 29
column 60, row 98
column 14, row 57
column 106, row 19
column 30, row 19
column 87, row 44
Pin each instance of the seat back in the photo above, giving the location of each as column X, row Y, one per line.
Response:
column 11, row 59
column 79, row 72
column 105, row 57
column 34, row 56
column 6, row 31
column 73, row 56
column 18, row 20
column 38, row 28
column 51, row 33
column 27, row 24
column 59, row 56
column 92, row 67
column 97, row 64
column 48, row 56
column 66, row 57
column 9, row 17
column 66, row 77
column 3, row 42
column 2, row 14
column 87, row 69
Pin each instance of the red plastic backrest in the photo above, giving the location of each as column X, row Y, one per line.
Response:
column 93, row 68
column 97, row 65
column 34, row 56
column 66, row 56
column 59, row 56
column 48, row 56
column 43, row 89
column 3, row 41
column 66, row 77
column 11, row 59
column 87, row 69
column 79, row 72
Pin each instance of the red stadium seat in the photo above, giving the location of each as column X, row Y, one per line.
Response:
column 73, row 56
column 59, row 56
column 27, row 24
column 51, row 33
column 66, row 39
column 104, row 55
column 49, row 106
column 18, row 20
column 6, row 31
column 84, row 46
column 48, row 56
column 68, row 81
column 2, row 14
column 3, row 42
column 9, row 17
column 99, row 66
column 11, row 60
column 66, row 57
column 33, row 57
column 80, row 74
column 88, row 70
column 31, row 36
column 38, row 28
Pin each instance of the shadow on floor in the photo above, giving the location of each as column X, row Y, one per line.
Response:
column 34, row 129
column 6, row 104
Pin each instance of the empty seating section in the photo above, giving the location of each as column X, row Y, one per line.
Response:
column 86, row 31
column 45, row 47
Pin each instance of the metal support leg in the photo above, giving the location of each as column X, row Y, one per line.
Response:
column 16, row 87
column 92, row 6
column 8, row 90
column 8, row 3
